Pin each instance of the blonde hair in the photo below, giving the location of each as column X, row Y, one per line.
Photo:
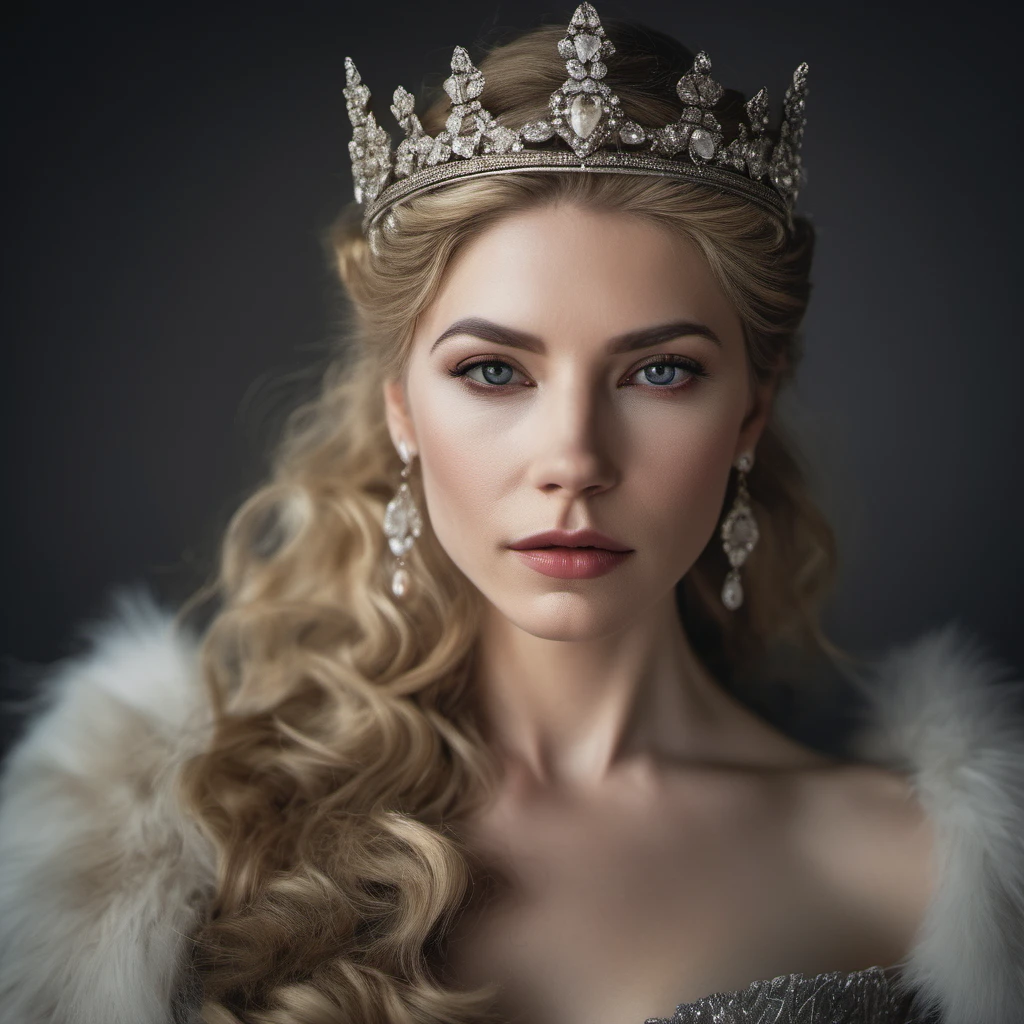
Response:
column 346, row 747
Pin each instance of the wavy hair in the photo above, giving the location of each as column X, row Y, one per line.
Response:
column 346, row 747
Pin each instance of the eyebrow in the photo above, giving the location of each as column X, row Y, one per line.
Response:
column 644, row 337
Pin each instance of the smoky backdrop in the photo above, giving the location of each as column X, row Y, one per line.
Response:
column 170, row 171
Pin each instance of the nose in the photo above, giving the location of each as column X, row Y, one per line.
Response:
column 573, row 440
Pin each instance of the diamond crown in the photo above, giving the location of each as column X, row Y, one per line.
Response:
column 586, row 115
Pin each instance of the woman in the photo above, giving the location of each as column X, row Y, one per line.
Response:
column 460, row 744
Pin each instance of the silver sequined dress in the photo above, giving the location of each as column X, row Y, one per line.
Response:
column 870, row 996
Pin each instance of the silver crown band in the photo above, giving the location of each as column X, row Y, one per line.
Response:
column 558, row 160
column 586, row 114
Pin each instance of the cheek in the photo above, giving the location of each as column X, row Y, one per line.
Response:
column 678, row 474
column 464, row 467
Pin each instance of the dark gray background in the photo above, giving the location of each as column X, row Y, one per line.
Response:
column 166, row 296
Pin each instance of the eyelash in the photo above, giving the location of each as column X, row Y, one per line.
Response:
column 695, row 369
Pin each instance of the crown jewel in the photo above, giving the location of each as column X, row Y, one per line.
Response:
column 586, row 115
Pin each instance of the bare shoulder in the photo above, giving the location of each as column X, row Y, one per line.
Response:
column 865, row 830
column 861, row 823
column 875, row 801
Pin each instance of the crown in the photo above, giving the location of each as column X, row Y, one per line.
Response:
column 586, row 115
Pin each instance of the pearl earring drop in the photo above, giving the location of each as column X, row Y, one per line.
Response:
column 402, row 525
column 739, row 534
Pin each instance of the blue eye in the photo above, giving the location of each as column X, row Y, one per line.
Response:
column 494, row 373
column 659, row 373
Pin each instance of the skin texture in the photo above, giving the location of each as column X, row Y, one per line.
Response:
column 659, row 840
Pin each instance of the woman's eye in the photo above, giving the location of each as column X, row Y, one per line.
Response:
column 492, row 373
column 669, row 374
column 661, row 373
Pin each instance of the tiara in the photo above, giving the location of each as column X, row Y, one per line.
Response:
column 586, row 115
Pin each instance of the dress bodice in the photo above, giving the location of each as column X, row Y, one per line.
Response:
column 869, row 996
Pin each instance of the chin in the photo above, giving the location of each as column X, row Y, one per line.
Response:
column 583, row 613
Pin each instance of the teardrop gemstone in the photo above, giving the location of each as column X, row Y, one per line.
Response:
column 400, row 582
column 586, row 46
column 584, row 114
column 732, row 593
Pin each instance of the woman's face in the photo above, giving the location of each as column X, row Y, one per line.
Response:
column 577, row 369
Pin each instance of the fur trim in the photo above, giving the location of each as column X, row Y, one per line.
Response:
column 102, row 880
column 947, row 714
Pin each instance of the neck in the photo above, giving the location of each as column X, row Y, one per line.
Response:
column 574, row 712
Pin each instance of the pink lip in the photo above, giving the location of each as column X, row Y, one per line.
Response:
column 572, row 563
column 569, row 539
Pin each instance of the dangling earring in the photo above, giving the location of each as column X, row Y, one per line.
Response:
column 739, row 534
column 402, row 525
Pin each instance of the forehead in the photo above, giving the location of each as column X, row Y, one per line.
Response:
column 570, row 272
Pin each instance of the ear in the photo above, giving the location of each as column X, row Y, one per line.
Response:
column 758, row 414
column 396, row 412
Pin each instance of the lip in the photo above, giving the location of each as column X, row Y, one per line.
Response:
column 569, row 539
column 572, row 563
